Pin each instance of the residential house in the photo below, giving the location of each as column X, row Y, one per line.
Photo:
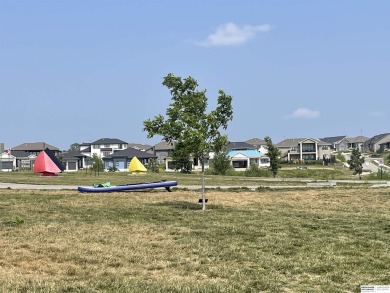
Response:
column 243, row 159
column 335, row 142
column 243, row 154
column 240, row 146
column 162, row 151
column 352, row 143
column 121, row 159
column 22, row 157
column 75, row 160
column 105, row 147
column 301, row 149
column 16, row 160
column 260, row 144
column 378, row 142
column 36, row 147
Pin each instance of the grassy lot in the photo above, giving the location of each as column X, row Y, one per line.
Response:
column 323, row 240
column 84, row 178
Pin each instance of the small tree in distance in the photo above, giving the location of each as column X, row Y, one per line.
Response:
column 273, row 154
column 187, row 122
column 74, row 147
column 356, row 162
column 221, row 163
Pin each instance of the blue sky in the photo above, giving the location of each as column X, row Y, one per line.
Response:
column 77, row 71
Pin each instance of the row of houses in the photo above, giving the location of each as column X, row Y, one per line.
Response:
column 118, row 153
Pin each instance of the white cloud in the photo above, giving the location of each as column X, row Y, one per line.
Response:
column 377, row 114
column 305, row 113
column 230, row 34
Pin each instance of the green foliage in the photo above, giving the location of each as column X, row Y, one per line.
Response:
column 187, row 124
column 187, row 121
column 74, row 147
column 274, row 156
column 97, row 164
column 18, row 221
column 340, row 157
column 255, row 171
column 112, row 169
column 220, row 163
column 356, row 162
column 153, row 166
column 380, row 175
column 181, row 159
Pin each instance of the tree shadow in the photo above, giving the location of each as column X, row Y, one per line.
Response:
column 184, row 205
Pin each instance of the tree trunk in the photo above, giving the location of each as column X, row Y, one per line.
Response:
column 203, row 186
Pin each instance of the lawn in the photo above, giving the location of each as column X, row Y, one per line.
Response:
column 322, row 240
column 286, row 176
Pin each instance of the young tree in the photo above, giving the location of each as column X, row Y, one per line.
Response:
column 97, row 164
column 356, row 162
column 273, row 154
column 187, row 122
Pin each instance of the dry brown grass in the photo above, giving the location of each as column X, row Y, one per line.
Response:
column 273, row 241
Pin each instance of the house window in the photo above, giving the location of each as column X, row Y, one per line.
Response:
column 294, row 149
column 264, row 161
column 105, row 154
column 324, row 147
column 96, row 146
column 240, row 164
column 106, row 145
column 308, row 148
column 309, row 157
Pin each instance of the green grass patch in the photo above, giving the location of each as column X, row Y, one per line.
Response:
column 327, row 240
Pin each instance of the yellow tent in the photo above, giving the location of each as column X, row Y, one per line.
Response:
column 136, row 166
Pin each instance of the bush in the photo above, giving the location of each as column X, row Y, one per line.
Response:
column 112, row 169
column 379, row 175
column 255, row 171
column 341, row 157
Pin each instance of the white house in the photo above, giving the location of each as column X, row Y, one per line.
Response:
column 243, row 159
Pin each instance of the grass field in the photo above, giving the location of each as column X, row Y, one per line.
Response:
column 323, row 240
column 286, row 176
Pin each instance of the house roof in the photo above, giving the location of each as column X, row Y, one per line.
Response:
column 86, row 150
column 163, row 145
column 240, row 145
column 256, row 141
column 333, row 139
column 290, row 142
column 130, row 153
column 72, row 155
column 108, row 141
column 375, row 139
column 19, row 154
column 356, row 139
column 139, row 146
column 34, row 146
column 247, row 153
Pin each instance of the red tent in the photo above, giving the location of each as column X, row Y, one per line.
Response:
column 45, row 165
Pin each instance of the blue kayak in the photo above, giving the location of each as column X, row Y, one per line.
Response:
column 131, row 186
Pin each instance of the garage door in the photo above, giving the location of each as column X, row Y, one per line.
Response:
column 6, row 165
column 72, row 166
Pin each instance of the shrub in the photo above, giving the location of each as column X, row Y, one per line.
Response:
column 112, row 169
column 340, row 157
column 255, row 171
